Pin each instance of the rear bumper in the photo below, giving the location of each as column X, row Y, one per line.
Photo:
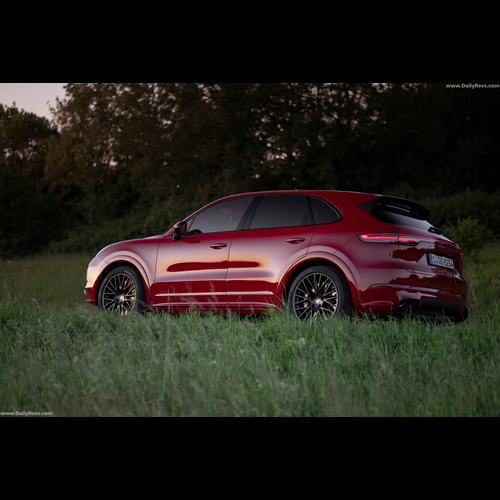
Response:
column 423, row 301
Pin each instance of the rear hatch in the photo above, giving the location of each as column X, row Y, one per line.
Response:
column 433, row 260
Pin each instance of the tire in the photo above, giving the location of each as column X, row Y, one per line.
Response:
column 319, row 292
column 122, row 292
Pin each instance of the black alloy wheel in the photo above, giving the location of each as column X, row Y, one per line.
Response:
column 319, row 292
column 122, row 292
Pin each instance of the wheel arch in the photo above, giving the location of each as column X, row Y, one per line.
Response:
column 125, row 263
column 301, row 266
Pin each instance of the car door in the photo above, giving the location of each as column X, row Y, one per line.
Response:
column 277, row 235
column 200, row 257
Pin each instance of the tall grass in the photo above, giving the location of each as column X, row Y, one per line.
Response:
column 67, row 358
column 80, row 362
column 56, row 280
column 482, row 273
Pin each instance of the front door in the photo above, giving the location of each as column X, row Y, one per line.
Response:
column 201, row 257
column 205, row 258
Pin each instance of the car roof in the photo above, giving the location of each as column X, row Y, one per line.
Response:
column 326, row 193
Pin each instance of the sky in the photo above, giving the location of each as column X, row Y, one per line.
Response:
column 32, row 97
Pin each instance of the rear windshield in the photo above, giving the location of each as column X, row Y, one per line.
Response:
column 399, row 212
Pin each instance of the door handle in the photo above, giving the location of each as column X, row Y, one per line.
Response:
column 294, row 241
column 218, row 246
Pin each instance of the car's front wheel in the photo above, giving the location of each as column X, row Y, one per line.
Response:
column 122, row 292
column 319, row 292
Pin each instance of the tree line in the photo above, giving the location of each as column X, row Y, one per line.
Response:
column 130, row 159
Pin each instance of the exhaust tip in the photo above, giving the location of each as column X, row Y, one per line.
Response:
column 405, row 308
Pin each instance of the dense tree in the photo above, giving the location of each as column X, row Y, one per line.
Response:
column 239, row 136
column 29, row 220
column 23, row 142
column 29, row 217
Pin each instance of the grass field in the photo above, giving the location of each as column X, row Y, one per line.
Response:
column 60, row 355
column 52, row 280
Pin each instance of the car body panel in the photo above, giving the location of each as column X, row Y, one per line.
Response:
column 191, row 272
column 415, row 260
column 258, row 260
column 140, row 254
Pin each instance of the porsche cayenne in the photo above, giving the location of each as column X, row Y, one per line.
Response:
column 321, row 253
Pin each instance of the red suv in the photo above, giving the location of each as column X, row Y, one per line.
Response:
column 320, row 252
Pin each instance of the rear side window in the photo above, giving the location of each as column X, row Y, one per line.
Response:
column 323, row 213
column 280, row 211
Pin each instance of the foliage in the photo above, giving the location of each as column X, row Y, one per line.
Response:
column 469, row 234
column 29, row 220
column 219, row 138
column 23, row 143
column 29, row 216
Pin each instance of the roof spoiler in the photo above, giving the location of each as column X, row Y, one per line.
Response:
column 392, row 204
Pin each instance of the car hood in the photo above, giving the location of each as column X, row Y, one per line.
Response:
column 129, row 246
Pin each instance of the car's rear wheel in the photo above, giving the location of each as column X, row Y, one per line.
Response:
column 122, row 292
column 319, row 292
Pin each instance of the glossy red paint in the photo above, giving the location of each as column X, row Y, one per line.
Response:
column 192, row 272
column 259, row 260
column 247, row 271
column 140, row 254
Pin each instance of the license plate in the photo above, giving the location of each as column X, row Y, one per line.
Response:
column 437, row 260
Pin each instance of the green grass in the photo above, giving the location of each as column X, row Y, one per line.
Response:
column 482, row 273
column 56, row 280
column 65, row 357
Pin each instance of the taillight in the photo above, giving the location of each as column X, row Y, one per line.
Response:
column 379, row 238
column 405, row 239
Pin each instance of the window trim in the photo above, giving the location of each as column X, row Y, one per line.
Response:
column 248, row 217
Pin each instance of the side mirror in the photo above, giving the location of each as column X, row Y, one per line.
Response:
column 180, row 229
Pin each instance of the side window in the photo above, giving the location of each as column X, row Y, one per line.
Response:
column 224, row 216
column 323, row 213
column 280, row 211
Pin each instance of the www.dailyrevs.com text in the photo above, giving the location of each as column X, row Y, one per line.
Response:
column 473, row 86
column 25, row 414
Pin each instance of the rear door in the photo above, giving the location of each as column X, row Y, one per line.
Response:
column 277, row 234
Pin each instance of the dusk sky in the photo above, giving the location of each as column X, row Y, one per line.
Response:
column 32, row 97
